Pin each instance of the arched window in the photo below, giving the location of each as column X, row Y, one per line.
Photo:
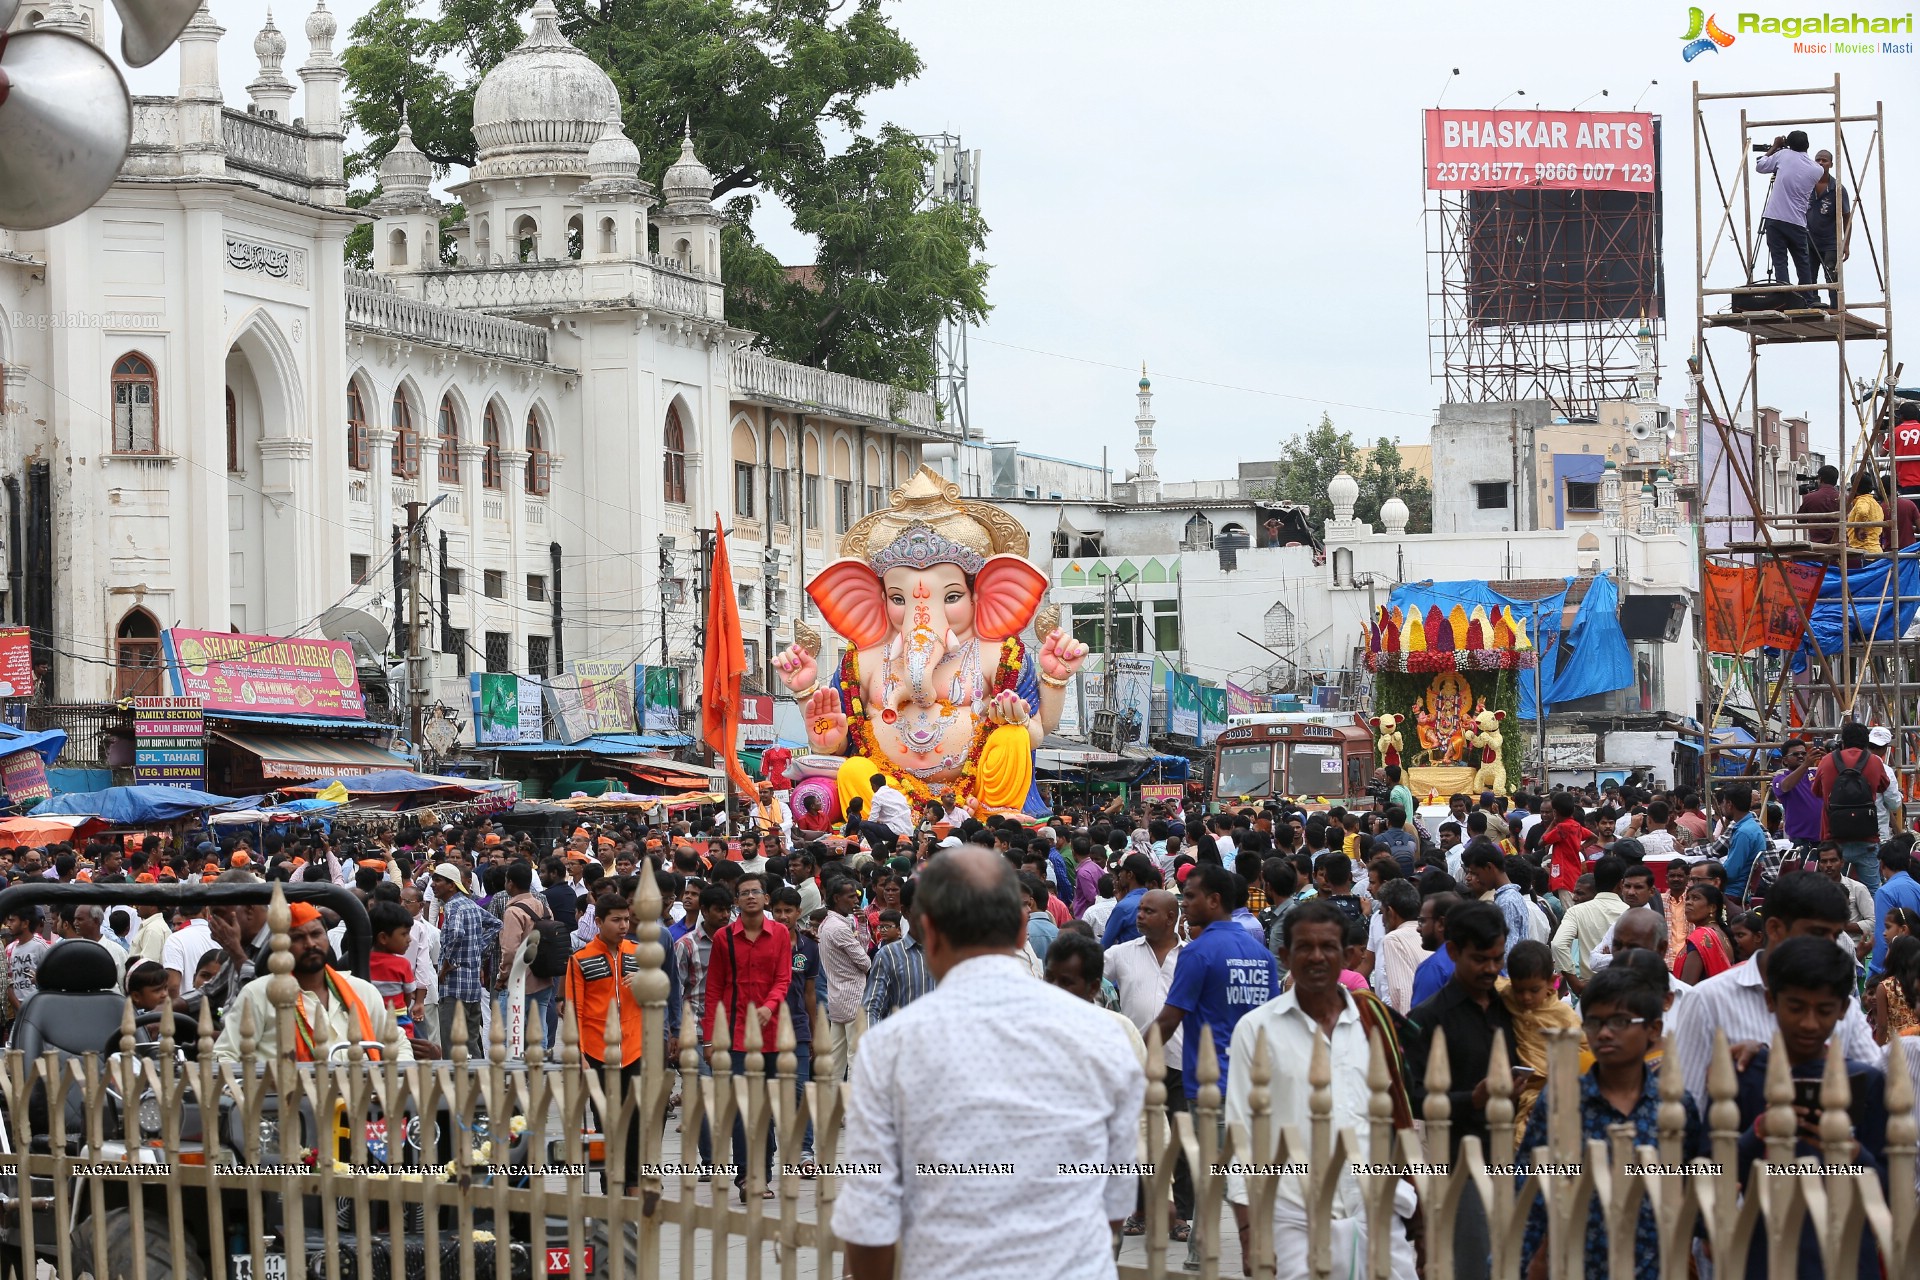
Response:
column 359, row 452
column 539, row 461
column 449, row 443
column 526, row 240
column 576, row 238
column 136, row 405
column 397, row 248
column 490, row 465
column 674, row 468
column 136, row 655
column 233, row 432
column 609, row 238
column 406, row 441
column 482, row 242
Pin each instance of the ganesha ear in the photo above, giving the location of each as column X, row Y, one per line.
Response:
column 852, row 602
column 1006, row 592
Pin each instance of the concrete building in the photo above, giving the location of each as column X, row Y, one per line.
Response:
column 210, row 421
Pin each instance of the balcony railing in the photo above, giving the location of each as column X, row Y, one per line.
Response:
column 540, row 286
column 373, row 305
column 836, row 394
column 264, row 146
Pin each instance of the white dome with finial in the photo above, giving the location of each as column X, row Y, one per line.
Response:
column 270, row 46
column 321, row 25
column 1393, row 515
column 405, row 168
column 543, row 106
column 688, row 186
column 613, row 155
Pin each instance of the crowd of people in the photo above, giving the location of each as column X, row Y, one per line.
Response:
column 1629, row 913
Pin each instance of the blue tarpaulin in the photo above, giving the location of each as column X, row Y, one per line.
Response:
column 1599, row 659
column 48, row 742
column 1870, row 590
column 388, row 783
column 134, row 806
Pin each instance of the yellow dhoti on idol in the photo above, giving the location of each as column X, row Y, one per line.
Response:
column 1002, row 779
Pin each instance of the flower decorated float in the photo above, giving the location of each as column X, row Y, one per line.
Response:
column 1455, row 672
column 936, row 690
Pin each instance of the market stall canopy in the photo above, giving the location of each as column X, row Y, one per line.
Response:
column 49, row 743
column 22, row 833
column 132, row 806
column 670, row 773
column 601, row 744
column 395, row 782
column 1064, row 758
column 292, row 811
column 628, row 800
column 303, row 758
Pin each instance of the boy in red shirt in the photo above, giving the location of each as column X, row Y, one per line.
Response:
column 1562, row 842
column 392, row 973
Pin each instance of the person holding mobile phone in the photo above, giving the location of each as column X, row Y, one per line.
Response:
column 1810, row 990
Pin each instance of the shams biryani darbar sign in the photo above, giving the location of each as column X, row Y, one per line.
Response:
column 265, row 674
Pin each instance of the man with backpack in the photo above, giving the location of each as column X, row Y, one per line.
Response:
column 527, row 912
column 1849, row 782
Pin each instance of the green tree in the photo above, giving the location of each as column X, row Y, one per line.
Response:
column 1386, row 475
column 774, row 92
column 1308, row 463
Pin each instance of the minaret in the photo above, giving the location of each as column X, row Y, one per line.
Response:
column 321, row 75
column 1647, row 380
column 1146, row 480
column 272, row 93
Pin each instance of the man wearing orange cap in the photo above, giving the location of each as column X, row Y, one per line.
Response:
column 334, row 1008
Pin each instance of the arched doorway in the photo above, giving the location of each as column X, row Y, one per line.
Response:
column 136, row 656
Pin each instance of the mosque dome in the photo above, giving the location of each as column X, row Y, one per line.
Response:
column 688, row 185
column 405, row 167
column 613, row 155
column 543, row 106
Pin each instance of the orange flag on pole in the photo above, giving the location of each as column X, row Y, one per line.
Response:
column 724, row 661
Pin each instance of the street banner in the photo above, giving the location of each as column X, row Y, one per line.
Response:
column 606, row 691
column 1213, row 713
column 1479, row 150
column 1167, row 793
column 24, row 777
column 506, row 709
column 1133, row 696
column 658, row 690
column 756, row 720
column 264, row 673
column 1242, row 703
column 1183, row 705
column 16, row 663
column 570, row 722
column 169, row 742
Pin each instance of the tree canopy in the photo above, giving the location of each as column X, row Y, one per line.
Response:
column 774, row 92
column 1310, row 461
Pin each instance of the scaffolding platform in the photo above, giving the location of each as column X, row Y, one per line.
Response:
column 1800, row 325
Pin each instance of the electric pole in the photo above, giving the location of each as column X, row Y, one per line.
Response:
column 666, row 587
column 1106, row 646
column 416, row 653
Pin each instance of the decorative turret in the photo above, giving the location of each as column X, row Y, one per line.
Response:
column 272, row 93
column 321, row 76
column 1649, row 521
column 1610, row 496
column 406, row 228
column 1666, row 508
column 615, row 225
column 1393, row 517
column 203, row 152
column 688, row 227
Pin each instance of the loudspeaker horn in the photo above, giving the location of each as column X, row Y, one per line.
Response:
column 65, row 122
column 148, row 28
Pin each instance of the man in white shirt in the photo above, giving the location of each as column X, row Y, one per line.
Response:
column 948, row 1081
column 1315, row 1005
column 1586, row 923
column 1401, row 950
column 1141, row 971
column 889, row 808
column 1833, row 865
column 181, row 955
column 423, row 951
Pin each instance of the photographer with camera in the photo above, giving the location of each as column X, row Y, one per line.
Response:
column 1785, row 215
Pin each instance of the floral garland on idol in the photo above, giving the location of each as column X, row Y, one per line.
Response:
column 1006, row 676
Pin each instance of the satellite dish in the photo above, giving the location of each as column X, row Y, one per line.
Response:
column 65, row 123
column 148, row 28
column 343, row 623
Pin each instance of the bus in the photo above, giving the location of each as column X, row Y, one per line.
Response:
column 1317, row 764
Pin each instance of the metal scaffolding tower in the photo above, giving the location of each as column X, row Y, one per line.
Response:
column 1754, row 522
column 954, row 177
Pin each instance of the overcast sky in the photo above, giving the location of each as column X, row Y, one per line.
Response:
column 1233, row 193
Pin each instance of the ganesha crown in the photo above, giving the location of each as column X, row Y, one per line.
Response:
column 920, row 547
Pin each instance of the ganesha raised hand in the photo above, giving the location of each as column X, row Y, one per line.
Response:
column 798, row 671
column 1060, row 656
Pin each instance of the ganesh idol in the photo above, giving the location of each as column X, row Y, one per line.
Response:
column 936, row 690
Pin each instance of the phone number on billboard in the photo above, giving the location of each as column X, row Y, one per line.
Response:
column 1515, row 171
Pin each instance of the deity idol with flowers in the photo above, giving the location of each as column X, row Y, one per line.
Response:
column 936, row 690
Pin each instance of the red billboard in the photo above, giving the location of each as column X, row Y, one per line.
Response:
column 268, row 674
column 1471, row 150
column 16, row 663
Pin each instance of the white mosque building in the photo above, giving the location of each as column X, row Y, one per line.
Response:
column 209, row 421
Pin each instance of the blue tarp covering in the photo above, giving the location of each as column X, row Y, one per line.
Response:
column 601, row 744
column 392, row 782
column 1871, row 589
column 1599, row 658
column 48, row 742
column 133, row 806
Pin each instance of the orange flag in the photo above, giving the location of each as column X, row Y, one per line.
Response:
column 724, row 661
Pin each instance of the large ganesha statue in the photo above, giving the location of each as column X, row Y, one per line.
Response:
column 936, row 689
